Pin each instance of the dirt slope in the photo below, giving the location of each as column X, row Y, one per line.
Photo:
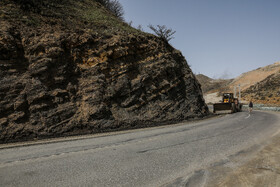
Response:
column 262, row 170
column 252, row 77
column 209, row 85
column 71, row 67
column 266, row 91
column 261, row 85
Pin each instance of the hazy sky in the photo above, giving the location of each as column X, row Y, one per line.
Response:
column 219, row 38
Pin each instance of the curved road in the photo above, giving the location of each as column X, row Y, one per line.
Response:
column 144, row 157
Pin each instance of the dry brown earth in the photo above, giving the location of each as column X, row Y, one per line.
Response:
column 209, row 85
column 266, row 91
column 261, row 85
column 252, row 77
column 262, row 170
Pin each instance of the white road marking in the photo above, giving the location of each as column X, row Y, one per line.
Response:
column 248, row 116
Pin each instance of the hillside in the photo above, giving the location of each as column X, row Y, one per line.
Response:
column 260, row 85
column 252, row 77
column 266, row 91
column 72, row 67
column 209, row 85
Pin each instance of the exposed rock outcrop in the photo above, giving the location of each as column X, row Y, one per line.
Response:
column 59, row 80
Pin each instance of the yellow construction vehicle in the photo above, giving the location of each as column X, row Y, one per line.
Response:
column 228, row 103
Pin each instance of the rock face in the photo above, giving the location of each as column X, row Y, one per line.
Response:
column 58, row 81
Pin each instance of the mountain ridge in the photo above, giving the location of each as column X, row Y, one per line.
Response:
column 260, row 85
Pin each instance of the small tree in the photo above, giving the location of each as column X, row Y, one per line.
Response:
column 130, row 23
column 103, row 2
column 117, row 9
column 113, row 6
column 140, row 28
column 163, row 32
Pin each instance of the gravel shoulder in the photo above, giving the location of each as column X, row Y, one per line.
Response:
column 262, row 170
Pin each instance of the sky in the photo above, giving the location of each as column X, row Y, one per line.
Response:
column 219, row 38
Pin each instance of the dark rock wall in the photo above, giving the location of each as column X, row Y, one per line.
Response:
column 58, row 82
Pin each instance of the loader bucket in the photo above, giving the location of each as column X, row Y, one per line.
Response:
column 222, row 106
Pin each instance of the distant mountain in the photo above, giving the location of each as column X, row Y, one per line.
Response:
column 209, row 85
column 253, row 77
column 262, row 85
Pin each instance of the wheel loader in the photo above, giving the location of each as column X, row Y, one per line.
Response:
column 228, row 103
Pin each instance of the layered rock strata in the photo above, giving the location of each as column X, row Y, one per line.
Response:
column 57, row 82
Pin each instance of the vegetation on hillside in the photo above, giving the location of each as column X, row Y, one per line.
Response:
column 36, row 5
column 88, row 15
column 114, row 6
column 163, row 32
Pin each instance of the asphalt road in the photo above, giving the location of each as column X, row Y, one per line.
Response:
column 145, row 157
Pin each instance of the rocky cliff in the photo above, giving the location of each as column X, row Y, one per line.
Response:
column 71, row 67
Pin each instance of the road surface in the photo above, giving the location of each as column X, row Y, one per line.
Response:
column 144, row 157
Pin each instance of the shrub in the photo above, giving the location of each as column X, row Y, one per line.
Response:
column 163, row 32
column 140, row 28
column 113, row 6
